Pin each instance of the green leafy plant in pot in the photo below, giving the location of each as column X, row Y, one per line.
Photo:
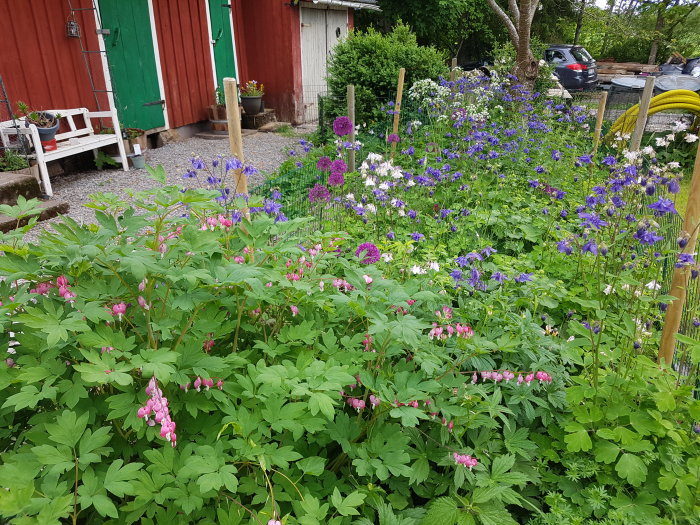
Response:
column 251, row 97
column 46, row 124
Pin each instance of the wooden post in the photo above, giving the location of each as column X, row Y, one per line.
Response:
column 599, row 120
column 453, row 73
column 397, row 109
column 233, row 115
column 679, row 284
column 351, row 116
column 642, row 115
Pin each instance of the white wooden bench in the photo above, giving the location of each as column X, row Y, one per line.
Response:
column 81, row 137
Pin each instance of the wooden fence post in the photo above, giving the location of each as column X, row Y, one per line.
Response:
column 233, row 115
column 642, row 115
column 679, row 284
column 599, row 120
column 453, row 73
column 397, row 109
column 351, row 116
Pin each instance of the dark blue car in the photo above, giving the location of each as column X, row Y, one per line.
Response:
column 573, row 66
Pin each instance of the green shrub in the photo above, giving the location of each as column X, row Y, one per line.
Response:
column 11, row 161
column 371, row 61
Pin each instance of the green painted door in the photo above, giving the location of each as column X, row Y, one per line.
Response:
column 222, row 40
column 132, row 62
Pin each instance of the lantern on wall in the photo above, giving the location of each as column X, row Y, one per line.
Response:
column 72, row 28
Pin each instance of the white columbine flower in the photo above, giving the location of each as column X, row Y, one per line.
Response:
column 649, row 151
column 690, row 138
column 661, row 142
column 387, row 257
column 417, row 270
column 608, row 290
column 673, row 165
column 434, row 266
column 653, row 285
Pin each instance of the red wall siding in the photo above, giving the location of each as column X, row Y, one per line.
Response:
column 183, row 39
column 270, row 47
column 351, row 19
column 47, row 72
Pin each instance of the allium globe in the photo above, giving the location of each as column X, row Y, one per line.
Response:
column 342, row 126
column 370, row 251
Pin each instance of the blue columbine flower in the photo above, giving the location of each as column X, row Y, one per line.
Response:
column 489, row 250
column 456, row 275
column 610, row 160
column 585, row 159
column 564, row 246
column 499, row 277
column 591, row 247
column 533, row 183
column 556, row 155
column 233, row 164
column 197, row 163
column 663, row 206
column 523, row 278
column 474, row 278
column 674, row 186
column 591, row 220
column 685, row 259
column 417, row 236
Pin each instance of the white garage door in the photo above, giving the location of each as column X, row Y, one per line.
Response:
column 321, row 29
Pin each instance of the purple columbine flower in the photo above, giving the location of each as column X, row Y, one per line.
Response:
column 610, row 160
column 685, row 259
column 342, row 126
column 393, row 138
column 591, row 247
column 564, row 246
column 233, row 164
column 585, row 159
column 499, row 277
column 417, row 236
column 391, row 236
column 663, row 206
column 197, row 163
column 523, row 278
column 489, row 250
column 533, row 183
column 370, row 251
column 556, row 154
column 456, row 275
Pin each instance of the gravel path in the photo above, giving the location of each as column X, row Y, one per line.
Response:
column 265, row 151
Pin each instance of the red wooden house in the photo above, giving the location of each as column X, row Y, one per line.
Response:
column 162, row 59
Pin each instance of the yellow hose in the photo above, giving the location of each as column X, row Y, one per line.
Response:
column 682, row 99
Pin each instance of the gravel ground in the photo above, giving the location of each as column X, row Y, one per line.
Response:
column 265, row 151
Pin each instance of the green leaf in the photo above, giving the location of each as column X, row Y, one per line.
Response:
column 632, row 468
column 313, row 465
column 665, row 401
column 117, row 478
column 104, row 506
column 158, row 173
column 442, row 511
column 68, row 428
column 578, row 439
column 605, row 451
column 347, row 506
column 323, row 403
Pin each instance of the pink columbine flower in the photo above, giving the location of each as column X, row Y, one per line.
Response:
column 295, row 310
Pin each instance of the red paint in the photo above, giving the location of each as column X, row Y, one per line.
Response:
column 183, row 41
column 39, row 64
column 268, row 41
column 351, row 19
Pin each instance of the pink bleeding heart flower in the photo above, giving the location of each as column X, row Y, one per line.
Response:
column 295, row 310
column 119, row 309
column 198, row 384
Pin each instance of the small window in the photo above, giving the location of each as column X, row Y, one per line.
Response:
column 581, row 55
column 554, row 56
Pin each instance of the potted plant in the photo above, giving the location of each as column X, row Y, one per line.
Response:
column 136, row 136
column 251, row 97
column 217, row 111
column 46, row 124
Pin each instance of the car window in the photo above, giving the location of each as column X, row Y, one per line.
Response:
column 554, row 56
column 581, row 55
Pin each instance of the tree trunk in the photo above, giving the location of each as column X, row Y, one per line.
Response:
column 579, row 21
column 658, row 31
column 526, row 66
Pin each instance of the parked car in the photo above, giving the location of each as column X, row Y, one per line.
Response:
column 573, row 66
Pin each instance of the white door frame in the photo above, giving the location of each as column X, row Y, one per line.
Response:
column 159, row 72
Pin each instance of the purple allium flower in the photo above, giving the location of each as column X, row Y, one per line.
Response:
column 336, row 179
column 393, row 138
column 523, row 278
column 339, row 166
column 370, row 251
column 319, row 193
column 342, row 126
column 663, row 206
column 323, row 164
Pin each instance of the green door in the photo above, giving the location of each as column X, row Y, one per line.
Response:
column 132, row 62
column 222, row 40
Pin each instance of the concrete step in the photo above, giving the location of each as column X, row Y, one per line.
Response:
column 50, row 209
column 13, row 184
